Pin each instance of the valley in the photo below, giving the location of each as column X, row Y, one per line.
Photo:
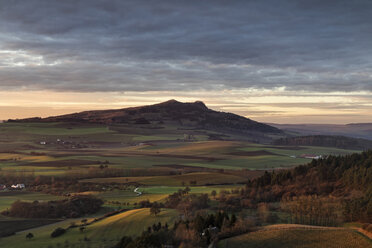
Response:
column 184, row 169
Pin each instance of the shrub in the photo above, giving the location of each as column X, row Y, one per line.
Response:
column 73, row 207
column 58, row 232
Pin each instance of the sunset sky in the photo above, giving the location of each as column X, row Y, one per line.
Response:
column 272, row 61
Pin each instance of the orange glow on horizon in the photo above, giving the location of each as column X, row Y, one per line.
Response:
column 275, row 106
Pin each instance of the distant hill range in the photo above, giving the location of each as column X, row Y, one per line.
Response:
column 185, row 115
column 326, row 141
column 356, row 130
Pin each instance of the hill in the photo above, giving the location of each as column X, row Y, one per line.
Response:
column 347, row 178
column 194, row 115
column 299, row 236
column 355, row 130
column 326, row 141
column 104, row 233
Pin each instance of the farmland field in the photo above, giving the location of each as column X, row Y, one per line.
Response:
column 111, row 162
column 299, row 237
column 104, row 233
column 154, row 193
column 58, row 148
column 200, row 178
column 7, row 198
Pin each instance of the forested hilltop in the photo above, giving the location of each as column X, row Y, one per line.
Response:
column 346, row 179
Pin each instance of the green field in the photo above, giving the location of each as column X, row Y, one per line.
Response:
column 201, row 178
column 117, row 159
column 153, row 193
column 7, row 198
column 22, row 149
column 9, row 226
column 298, row 237
column 104, row 233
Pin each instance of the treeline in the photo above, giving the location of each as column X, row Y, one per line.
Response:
column 69, row 208
column 185, row 202
column 313, row 210
column 181, row 200
column 327, row 141
column 352, row 171
column 200, row 231
column 345, row 177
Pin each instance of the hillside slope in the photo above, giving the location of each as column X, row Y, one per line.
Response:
column 299, row 236
column 326, row 141
column 356, row 130
column 185, row 115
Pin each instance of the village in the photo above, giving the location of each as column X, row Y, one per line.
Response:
column 18, row 186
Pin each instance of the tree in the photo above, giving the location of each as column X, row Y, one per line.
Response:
column 58, row 232
column 214, row 193
column 29, row 236
column 155, row 209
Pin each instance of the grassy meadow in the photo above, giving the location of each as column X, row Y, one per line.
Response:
column 115, row 160
column 291, row 236
column 103, row 233
column 60, row 148
column 7, row 198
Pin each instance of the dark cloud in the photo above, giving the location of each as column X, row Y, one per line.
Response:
column 186, row 45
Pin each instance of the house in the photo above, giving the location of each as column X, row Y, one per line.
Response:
column 311, row 156
column 18, row 186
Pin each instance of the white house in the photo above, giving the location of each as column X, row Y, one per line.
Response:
column 18, row 186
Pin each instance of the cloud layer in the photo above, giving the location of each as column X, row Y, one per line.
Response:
column 86, row 46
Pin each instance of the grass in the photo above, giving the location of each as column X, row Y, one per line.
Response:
column 151, row 193
column 194, row 190
column 131, row 223
column 12, row 225
column 143, row 138
column 298, row 238
column 201, row 178
column 287, row 151
column 52, row 129
column 104, row 233
column 7, row 198
column 128, row 196
column 119, row 145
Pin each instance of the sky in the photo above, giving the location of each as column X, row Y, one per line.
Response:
column 276, row 61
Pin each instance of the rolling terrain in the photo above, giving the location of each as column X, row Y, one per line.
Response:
column 326, row 141
column 355, row 130
column 298, row 236
column 182, row 158
column 171, row 113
